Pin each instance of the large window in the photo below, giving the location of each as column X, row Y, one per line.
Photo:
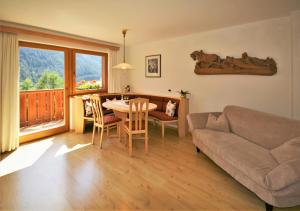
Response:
column 90, row 71
column 43, row 78
column 48, row 76
column 41, row 69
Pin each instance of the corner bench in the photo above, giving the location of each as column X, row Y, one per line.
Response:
column 79, row 116
column 160, row 113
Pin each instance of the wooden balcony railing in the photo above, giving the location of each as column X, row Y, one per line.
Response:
column 41, row 106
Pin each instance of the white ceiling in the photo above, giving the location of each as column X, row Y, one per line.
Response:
column 147, row 20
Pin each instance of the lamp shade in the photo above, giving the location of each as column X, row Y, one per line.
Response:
column 123, row 66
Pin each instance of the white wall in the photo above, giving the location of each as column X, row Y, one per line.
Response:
column 295, row 20
column 269, row 38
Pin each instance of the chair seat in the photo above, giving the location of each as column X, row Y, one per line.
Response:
column 133, row 126
column 110, row 119
column 162, row 116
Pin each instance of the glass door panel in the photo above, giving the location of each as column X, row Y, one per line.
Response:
column 42, row 90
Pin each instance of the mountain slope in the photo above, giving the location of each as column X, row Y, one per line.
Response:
column 33, row 62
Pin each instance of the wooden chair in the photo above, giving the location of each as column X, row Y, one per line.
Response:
column 102, row 121
column 138, row 121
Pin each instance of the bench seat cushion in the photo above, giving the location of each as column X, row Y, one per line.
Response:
column 162, row 116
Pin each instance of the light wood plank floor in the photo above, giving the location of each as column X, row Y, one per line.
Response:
column 67, row 173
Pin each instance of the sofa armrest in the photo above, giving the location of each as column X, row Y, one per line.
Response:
column 198, row 120
column 284, row 175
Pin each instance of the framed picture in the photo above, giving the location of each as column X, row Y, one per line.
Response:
column 153, row 66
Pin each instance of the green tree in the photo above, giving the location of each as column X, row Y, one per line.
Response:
column 49, row 80
column 26, row 84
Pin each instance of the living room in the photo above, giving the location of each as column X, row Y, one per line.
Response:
column 215, row 84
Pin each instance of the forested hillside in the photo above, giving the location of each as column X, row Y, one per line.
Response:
column 34, row 63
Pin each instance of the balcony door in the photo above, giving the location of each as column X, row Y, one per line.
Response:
column 44, row 79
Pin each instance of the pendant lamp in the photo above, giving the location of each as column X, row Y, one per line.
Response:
column 123, row 65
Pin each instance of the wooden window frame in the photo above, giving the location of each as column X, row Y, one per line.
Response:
column 66, row 127
column 70, row 85
column 104, row 72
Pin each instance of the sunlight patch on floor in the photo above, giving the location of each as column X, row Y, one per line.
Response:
column 25, row 156
column 64, row 149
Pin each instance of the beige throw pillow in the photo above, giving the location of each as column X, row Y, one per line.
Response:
column 88, row 108
column 217, row 123
column 170, row 108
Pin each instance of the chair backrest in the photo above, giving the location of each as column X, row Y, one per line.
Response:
column 97, row 109
column 138, row 114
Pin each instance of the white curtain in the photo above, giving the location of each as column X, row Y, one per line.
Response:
column 111, row 76
column 9, row 91
column 116, row 78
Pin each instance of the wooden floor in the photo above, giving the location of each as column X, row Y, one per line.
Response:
column 70, row 174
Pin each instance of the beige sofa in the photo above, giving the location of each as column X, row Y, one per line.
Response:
column 261, row 151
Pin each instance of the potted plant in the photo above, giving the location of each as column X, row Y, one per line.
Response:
column 183, row 93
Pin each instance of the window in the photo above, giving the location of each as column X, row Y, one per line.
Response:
column 41, row 69
column 43, row 79
column 48, row 76
column 90, row 71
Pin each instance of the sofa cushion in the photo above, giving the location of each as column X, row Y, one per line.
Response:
column 199, row 120
column 249, row 158
column 266, row 130
column 162, row 116
column 218, row 123
column 284, row 175
column 288, row 172
column 288, row 151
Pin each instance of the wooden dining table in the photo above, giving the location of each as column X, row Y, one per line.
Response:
column 121, row 109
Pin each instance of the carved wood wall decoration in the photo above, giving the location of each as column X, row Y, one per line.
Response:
column 210, row 64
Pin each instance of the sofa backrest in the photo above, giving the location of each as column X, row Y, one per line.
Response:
column 266, row 130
